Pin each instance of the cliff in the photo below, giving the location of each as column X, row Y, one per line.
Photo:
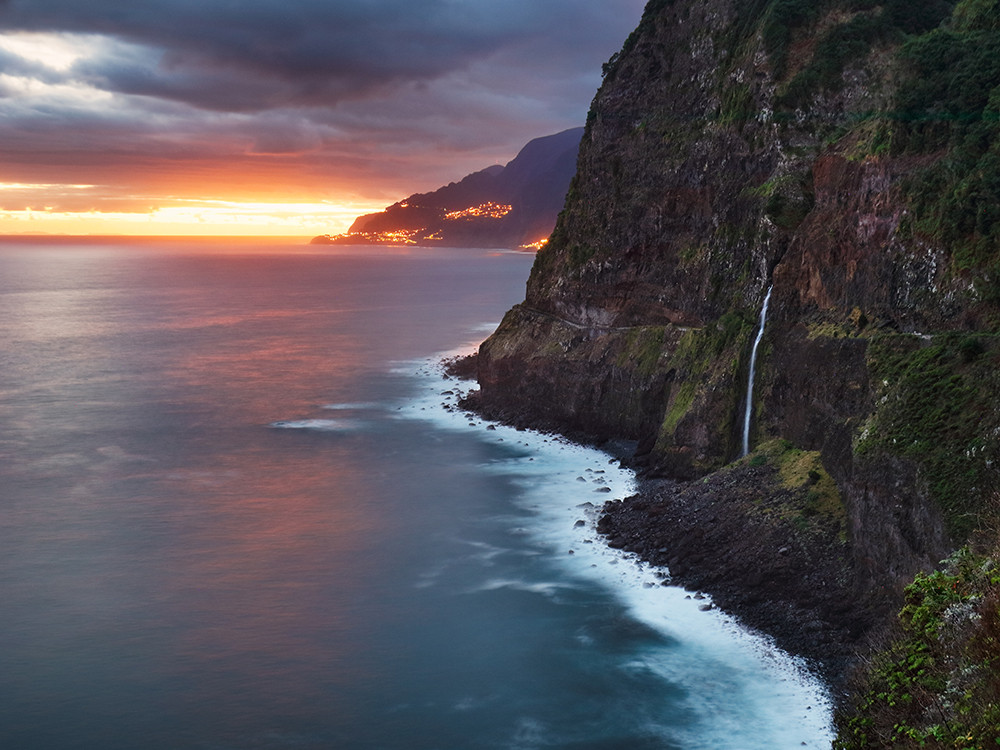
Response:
column 846, row 155
column 500, row 206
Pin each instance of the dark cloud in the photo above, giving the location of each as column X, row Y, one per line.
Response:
column 244, row 56
column 396, row 93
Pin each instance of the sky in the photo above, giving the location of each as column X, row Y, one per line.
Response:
column 278, row 117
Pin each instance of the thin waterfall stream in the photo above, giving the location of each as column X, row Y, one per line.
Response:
column 753, row 365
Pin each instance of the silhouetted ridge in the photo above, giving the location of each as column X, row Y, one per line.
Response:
column 500, row 206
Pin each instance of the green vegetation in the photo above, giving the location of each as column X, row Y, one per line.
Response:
column 680, row 405
column 946, row 107
column 643, row 348
column 691, row 254
column 738, row 105
column 936, row 683
column 783, row 18
column 846, row 42
column 699, row 348
column 703, row 359
column 649, row 15
column 937, row 407
column 970, row 15
column 788, row 211
column 788, row 199
column 857, row 27
column 815, row 500
column 579, row 254
column 950, row 106
column 828, row 329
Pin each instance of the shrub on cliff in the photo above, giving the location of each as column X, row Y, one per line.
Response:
column 936, row 408
column 857, row 26
column 936, row 682
column 946, row 108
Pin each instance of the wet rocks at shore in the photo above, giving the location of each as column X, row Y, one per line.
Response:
column 740, row 536
column 760, row 546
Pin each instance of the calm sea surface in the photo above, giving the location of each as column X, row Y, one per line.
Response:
column 237, row 511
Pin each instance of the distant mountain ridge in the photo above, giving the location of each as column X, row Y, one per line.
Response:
column 501, row 206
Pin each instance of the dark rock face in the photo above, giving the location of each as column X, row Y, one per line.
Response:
column 848, row 252
column 584, row 380
column 694, row 193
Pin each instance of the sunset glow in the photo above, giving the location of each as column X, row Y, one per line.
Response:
column 275, row 118
column 191, row 218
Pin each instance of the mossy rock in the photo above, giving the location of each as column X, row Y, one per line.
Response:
column 816, row 499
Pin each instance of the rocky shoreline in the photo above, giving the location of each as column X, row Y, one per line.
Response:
column 726, row 537
column 745, row 539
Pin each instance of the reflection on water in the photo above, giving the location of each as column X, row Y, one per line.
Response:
column 172, row 568
column 217, row 532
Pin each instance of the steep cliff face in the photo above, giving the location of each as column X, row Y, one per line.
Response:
column 735, row 146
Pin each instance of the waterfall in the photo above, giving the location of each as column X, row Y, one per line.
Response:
column 753, row 364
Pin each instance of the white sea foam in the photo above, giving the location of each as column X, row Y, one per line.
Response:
column 740, row 684
column 367, row 406
column 545, row 588
column 484, row 552
column 322, row 425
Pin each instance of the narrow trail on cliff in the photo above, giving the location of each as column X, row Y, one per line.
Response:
column 753, row 366
column 591, row 326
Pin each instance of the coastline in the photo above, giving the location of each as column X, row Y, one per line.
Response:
column 726, row 537
column 690, row 601
column 795, row 586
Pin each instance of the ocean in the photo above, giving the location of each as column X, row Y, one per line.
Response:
column 240, row 509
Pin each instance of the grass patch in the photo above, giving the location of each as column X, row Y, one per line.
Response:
column 937, row 407
column 738, row 105
column 817, row 497
column 643, row 349
column 679, row 406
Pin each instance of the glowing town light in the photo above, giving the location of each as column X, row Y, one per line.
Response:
column 536, row 245
column 488, row 210
column 388, row 237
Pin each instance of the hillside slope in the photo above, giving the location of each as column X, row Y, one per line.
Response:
column 500, row 206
